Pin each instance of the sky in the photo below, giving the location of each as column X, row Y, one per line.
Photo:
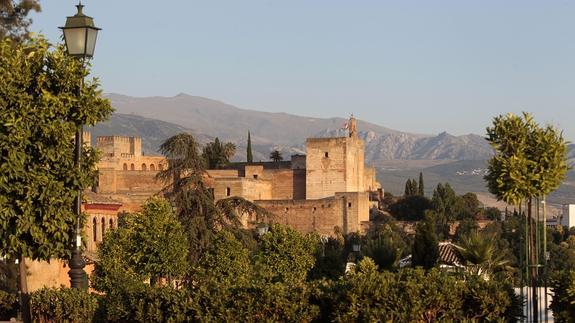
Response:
column 418, row 66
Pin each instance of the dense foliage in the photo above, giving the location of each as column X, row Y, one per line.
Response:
column 217, row 154
column 14, row 19
column 41, row 108
column 148, row 245
column 63, row 305
column 414, row 295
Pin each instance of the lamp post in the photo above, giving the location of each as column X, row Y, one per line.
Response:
column 80, row 38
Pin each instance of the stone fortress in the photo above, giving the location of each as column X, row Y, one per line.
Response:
column 328, row 187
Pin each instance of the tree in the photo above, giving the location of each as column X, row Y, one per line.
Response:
column 425, row 245
column 410, row 188
column 276, row 156
column 420, row 187
column 445, row 202
column 481, row 254
column 217, row 155
column 530, row 161
column 563, row 303
column 410, row 208
column 197, row 210
column 250, row 156
column 285, row 255
column 150, row 244
column 42, row 106
column 14, row 20
column 384, row 250
column 470, row 206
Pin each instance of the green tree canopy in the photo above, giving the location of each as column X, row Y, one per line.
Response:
column 41, row 107
column 529, row 160
column 217, row 155
column 425, row 245
column 14, row 20
column 146, row 245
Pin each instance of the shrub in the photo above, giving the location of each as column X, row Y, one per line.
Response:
column 8, row 305
column 63, row 305
column 414, row 295
column 563, row 303
column 148, row 304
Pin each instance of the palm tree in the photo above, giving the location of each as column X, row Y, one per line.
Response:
column 217, row 155
column 276, row 156
column 481, row 254
column 384, row 252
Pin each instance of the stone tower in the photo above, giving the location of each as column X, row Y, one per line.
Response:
column 335, row 165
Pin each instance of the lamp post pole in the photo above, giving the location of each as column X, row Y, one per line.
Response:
column 80, row 37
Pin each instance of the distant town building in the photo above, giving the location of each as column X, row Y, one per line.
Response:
column 568, row 215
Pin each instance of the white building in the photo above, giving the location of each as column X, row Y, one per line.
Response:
column 568, row 215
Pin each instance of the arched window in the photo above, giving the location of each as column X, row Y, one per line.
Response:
column 143, row 166
column 132, row 167
column 152, row 167
column 111, row 224
column 125, row 166
column 161, row 166
column 94, row 229
column 103, row 228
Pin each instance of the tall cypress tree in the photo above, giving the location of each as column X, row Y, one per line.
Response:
column 250, row 157
column 420, row 187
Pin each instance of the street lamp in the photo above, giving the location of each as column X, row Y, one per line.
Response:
column 80, row 38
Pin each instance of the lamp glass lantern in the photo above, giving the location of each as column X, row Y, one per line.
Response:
column 80, row 34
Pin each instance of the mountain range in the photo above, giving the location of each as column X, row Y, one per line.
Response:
column 282, row 131
column 397, row 155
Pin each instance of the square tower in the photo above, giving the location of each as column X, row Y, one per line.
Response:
column 334, row 165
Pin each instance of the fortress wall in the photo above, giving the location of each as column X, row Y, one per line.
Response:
column 356, row 209
column 137, row 182
column 222, row 173
column 354, row 165
column 299, row 178
column 282, row 181
column 320, row 215
column 249, row 189
column 139, row 163
column 325, row 167
column 370, row 179
column 97, row 224
column 253, row 171
column 115, row 146
column 298, row 162
column 135, row 146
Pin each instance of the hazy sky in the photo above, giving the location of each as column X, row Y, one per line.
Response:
column 418, row 66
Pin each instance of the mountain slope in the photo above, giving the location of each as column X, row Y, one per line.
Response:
column 288, row 133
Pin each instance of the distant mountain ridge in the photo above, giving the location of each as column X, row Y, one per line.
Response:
column 459, row 160
column 281, row 131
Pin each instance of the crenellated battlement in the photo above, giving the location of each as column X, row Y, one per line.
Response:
column 119, row 146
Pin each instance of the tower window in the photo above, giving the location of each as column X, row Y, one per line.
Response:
column 255, row 176
column 228, row 191
column 349, row 204
column 94, row 230
column 103, row 228
column 326, row 154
